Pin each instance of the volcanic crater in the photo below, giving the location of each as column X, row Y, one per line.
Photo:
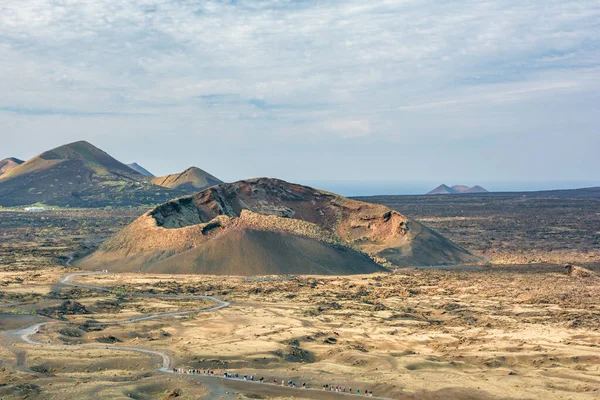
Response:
column 269, row 226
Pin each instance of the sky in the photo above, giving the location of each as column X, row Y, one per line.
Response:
column 378, row 91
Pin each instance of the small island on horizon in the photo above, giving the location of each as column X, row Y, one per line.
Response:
column 457, row 189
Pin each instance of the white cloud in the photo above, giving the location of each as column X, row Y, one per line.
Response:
column 349, row 128
column 326, row 68
column 498, row 94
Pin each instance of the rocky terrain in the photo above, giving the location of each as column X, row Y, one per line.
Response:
column 513, row 331
column 498, row 333
column 557, row 227
column 268, row 226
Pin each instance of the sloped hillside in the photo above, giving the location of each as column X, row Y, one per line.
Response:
column 81, row 175
column 268, row 226
column 78, row 175
column 9, row 164
column 192, row 179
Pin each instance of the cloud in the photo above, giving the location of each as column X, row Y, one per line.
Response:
column 350, row 128
column 503, row 93
column 274, row 70
column 64, row 112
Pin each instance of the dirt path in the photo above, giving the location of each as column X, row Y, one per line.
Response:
column 26, row 334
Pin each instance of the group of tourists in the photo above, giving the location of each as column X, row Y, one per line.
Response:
column 291, row 384
column 228, row 375
column 193, row 371
column 252, row 378
column 342, row 389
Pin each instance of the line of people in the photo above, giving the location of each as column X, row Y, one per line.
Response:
column 342, row 389
column 193, row 371
column 290, row 384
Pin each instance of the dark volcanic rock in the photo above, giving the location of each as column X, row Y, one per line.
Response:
column 69, row 307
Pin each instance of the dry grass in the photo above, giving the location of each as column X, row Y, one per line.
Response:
column 509, row 331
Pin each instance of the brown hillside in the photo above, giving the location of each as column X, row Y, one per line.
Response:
column 77, row 174
column 81, row 153
column 9, row 164
column 251, row 252
column 268, row 226
column 192, row 179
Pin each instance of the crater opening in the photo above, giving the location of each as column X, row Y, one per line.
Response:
column 180, row 213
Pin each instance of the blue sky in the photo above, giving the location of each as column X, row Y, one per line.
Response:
column 436, row 91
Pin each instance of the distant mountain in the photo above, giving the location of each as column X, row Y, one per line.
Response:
column 8, row 164
column 461, row 188
column 79, row 175
column 443, row 189
column 457, row 189
column 192, row 179
column 477, row 189
column 137, row 167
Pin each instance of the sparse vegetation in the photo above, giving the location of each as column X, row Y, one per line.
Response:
column 23, row 312
column 428, row 333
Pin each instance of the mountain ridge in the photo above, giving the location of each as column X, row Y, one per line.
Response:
column 79, row 174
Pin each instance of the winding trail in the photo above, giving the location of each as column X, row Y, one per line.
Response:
column 26, row 334
column 220, row 303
